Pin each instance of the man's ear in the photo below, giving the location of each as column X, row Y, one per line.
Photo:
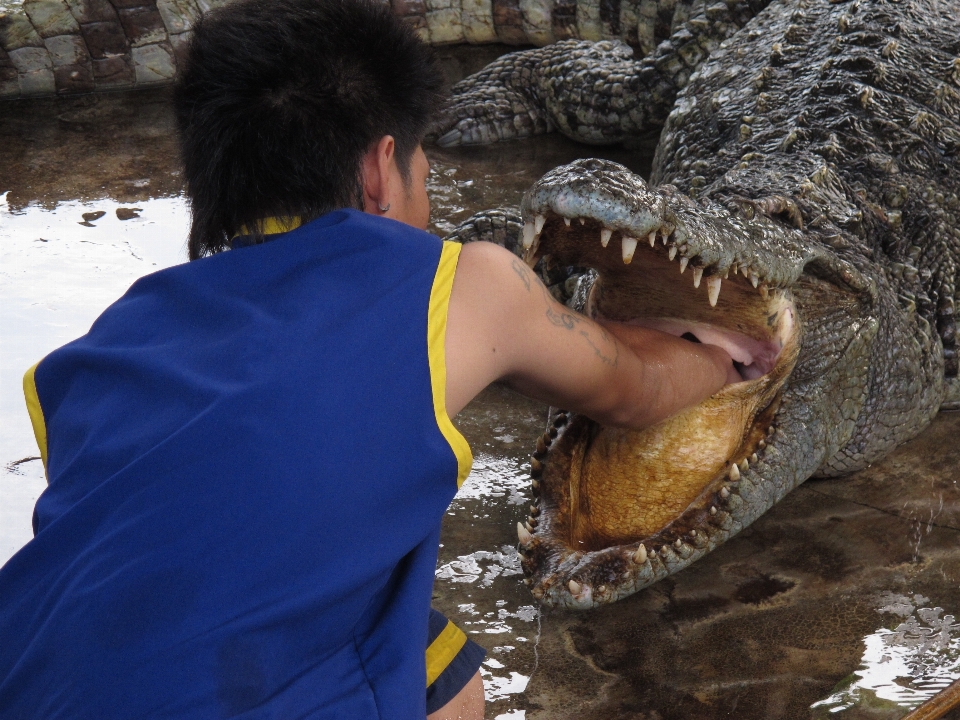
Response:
column 379, row 174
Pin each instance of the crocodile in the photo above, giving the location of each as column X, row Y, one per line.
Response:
column 63, row 47
column 804, row 213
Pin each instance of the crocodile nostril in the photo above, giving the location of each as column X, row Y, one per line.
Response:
column 691, row 337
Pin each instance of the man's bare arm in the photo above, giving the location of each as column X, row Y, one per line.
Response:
column 503, row 324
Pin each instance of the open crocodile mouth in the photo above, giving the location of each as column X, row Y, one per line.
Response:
column 639, row 496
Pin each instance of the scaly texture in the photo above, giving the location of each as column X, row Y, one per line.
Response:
column 595, row 93
column 817, row 154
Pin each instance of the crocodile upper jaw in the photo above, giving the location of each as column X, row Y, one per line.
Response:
column 626, row 486
column 614, row 502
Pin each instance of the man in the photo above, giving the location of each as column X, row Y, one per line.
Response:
column 249, row 455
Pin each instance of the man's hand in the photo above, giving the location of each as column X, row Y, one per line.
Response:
column 503, row 324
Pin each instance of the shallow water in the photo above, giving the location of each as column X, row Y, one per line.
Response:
column 801, row 610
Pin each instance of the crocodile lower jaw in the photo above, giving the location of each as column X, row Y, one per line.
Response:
column 603, row 489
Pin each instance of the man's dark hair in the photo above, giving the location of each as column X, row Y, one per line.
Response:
column 279, row 100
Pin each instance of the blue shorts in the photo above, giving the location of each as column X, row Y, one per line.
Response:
column 452, row 660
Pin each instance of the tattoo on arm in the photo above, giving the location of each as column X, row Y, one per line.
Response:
column 562, row 319
column 571, row 320
column 612, row 361
column 521, row 270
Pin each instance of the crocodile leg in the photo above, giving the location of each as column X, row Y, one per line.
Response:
column 595, row 93
column 501, row 226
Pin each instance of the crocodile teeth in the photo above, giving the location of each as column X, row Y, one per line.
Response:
column 713, row 290
column 744, row 465
column 640, row 556
column 764, row 291
column 673, row 252
column 529, row 235
column 754, row 279
column 523, row 534
column 678, row 544
column 713, row 509
column 605, row 236
column 697, row 274
column 629, row 246
column 734, row 472
column 539, row 220
column 574, row 587
column 754, row 458
column 683, row 264
column 566, row 221
column 583, row 221
column 652, row 238
column 724, row 493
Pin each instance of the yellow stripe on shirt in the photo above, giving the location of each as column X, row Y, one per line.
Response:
column 443, row 650
column 36, row 412
column 437, row 353
column 271, row 226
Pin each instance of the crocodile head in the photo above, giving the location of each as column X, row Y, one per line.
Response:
column 618, row 509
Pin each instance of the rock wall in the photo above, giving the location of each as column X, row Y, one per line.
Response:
column 73, row 46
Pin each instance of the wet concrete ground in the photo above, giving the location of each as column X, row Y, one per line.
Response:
column 800, row 609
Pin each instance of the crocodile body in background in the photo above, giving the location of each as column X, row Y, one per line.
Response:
column 597, row 93
column 804, row 213
column 76, row 46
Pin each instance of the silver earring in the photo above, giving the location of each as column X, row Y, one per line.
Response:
column 383, row 209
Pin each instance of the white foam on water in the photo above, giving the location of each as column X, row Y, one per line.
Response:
column 906, row 665
column 494, row 477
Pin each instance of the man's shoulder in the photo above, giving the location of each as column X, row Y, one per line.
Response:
column 489, row 265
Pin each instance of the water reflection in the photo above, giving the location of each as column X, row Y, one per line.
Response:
column 496, row 477
column 496, row 687
column 482, row 565
column 59, row 271
column 478, row 575
column 901, row 667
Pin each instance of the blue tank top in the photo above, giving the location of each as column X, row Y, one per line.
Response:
column 248, row 458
